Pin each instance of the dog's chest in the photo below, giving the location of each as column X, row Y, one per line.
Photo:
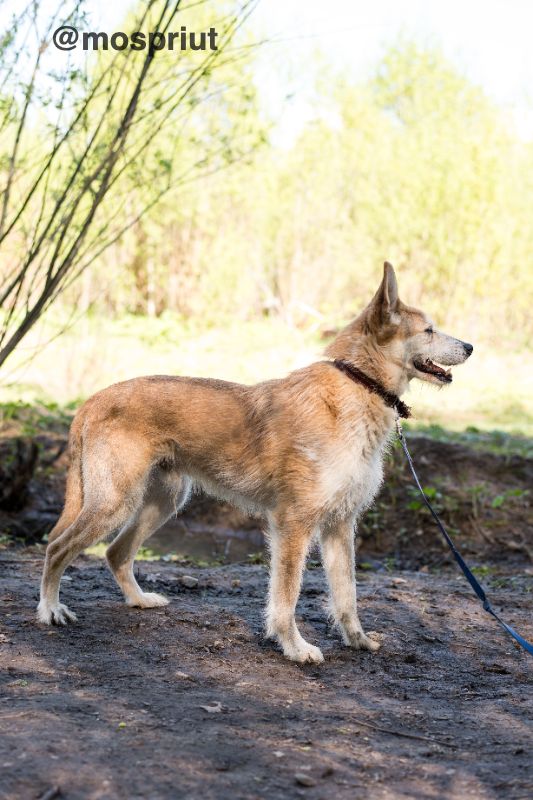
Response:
column 352, row 472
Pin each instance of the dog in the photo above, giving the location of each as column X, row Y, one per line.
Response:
column 304, row 451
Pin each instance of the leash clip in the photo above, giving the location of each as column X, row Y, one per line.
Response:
column 399, row 429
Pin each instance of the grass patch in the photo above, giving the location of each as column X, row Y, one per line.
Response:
column 31, row 419
column 499, row 442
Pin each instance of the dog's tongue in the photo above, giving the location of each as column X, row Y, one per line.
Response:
column 433, row 369
column 438, row 371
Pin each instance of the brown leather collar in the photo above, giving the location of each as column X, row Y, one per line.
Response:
column 390, row 399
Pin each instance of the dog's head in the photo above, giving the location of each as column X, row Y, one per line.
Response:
column 410, row 337
column 395, row 342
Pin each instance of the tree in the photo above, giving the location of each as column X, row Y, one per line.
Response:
column 79, row 140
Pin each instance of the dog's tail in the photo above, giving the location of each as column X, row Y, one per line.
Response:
column 74, row 488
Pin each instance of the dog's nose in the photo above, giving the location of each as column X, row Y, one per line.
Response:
column 468, row 348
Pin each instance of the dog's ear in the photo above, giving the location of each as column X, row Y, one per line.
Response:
column 384, row 306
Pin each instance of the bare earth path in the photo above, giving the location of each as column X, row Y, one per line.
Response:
column 189, row 701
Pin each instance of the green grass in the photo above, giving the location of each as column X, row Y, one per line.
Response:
column 145, row 554
column 31, row 419
column 99, row 549
column 493, row 441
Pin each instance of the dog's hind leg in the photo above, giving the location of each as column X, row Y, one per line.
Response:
column 91, row 525
column 338, row 556
column 289, row 543
column 163, row 499
column 114, row 485
column 74, row 488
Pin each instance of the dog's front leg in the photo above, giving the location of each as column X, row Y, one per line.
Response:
column 338, row 556
column 289, row 543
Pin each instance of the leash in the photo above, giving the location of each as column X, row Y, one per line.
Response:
column 471, row 578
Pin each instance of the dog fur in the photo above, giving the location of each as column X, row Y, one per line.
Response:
column 304, row 451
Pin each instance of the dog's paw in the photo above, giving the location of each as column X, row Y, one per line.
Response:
column 374, row 640
column 304, row 653
column 57, row 614
column 370, row 641
column 362, row 641
column 148, row 600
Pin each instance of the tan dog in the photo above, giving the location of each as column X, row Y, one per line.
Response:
column 304, row 451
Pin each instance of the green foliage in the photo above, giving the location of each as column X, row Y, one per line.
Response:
column 483, row 571
column 493, row 441
column 256, row 558
column 500, row 499
column 416, row 164
column 30, row 419
column 87, row 152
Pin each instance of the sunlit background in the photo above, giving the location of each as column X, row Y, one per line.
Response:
column 350, row 133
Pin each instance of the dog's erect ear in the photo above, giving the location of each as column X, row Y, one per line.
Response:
column 389, row 287
column 384, row 305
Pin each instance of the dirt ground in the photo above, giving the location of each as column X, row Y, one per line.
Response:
column 190, row 701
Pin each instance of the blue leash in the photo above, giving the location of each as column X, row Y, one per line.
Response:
column 471, row 578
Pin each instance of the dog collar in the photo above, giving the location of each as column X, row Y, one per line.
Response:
column 389, row 398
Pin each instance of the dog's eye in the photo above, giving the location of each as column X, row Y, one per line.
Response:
column 428, row 330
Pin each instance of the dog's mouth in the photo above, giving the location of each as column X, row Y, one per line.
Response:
column 430, row 368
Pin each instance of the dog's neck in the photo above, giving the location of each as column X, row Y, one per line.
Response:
column 363, row 353
column 389, row 398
